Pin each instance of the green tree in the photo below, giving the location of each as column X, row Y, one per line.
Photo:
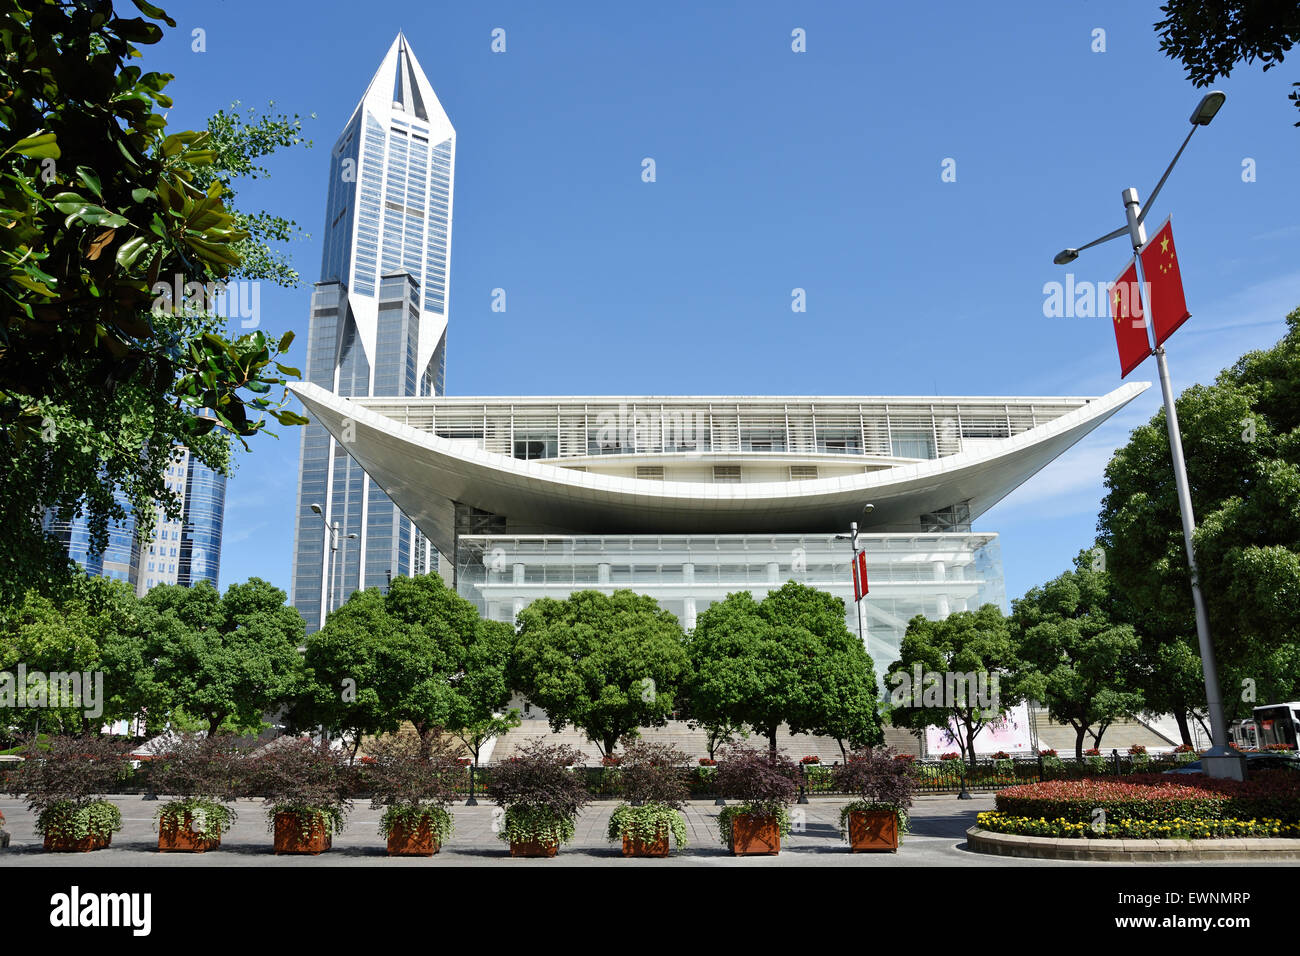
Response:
column 348, row 690
column 382, row 659
column 228, row 658
column 1242, row 441
column 970, row 674
column 1082, row 660
column 480, row 693
column 790, row 659
column 1211, row 37
column 98, row 382
column 606, row 663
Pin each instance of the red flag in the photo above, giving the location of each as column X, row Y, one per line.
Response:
column 1129, row 321
column 1164, row 283
column 859, row 575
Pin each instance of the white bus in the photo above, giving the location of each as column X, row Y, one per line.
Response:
column 1278, row 724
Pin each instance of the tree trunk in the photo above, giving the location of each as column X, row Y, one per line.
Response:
column 213, row 724
column 1080, row 731
column 771, row 743
column 1184, row 731
column 970, row 743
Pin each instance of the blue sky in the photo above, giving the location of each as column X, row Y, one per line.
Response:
column 778, row 170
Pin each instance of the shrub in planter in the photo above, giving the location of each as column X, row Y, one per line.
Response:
column 201, row 772
column 654, row 781
column 305, row 787
column 1138, row 757
column 64, row 782
column 541, row 797
column 414, row 780
column 762, row 786
column 883, row 789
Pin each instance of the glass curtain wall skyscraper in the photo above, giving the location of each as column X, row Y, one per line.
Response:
column 377, row 327
column 182, row 551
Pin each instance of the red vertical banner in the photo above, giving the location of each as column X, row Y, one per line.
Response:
column 1129, row 320
column 857, row 580
column 862, row 572
column 1164, row 283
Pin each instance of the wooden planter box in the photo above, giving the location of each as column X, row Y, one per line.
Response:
column 533, row 848
column 755, row 835
column 419, row 842
column 59, row 844
column 184, row 840
column 873, row 831
column 634, row 846
column 289, row 838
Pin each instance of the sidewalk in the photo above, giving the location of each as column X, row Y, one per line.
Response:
column 938, row 826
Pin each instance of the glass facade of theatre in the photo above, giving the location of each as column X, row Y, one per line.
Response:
column 386, row 259
column 909, row 574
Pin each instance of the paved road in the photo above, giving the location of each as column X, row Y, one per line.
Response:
column 938, row 837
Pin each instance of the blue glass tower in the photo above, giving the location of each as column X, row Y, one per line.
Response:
column 181, row 551
column 377, row 327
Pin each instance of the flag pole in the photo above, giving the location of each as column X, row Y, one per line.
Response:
column 1222, row 759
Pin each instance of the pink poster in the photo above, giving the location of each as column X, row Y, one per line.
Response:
column 1010, row 733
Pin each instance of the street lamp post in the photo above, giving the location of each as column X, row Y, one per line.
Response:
column 332, row 532
column 1222, row 759
column 852, row 538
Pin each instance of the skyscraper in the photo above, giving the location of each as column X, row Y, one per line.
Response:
column 377, row 328
column 182, row 551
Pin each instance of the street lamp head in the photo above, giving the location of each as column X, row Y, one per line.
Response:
column 868, row 508
column 1066, row 256
column 316, row 508
column 1207, row 108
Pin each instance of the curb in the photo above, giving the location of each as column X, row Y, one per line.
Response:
column 1253, row 849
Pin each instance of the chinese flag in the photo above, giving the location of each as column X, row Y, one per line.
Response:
column 1128, row 319
column 1165, row 282
column 859, row 575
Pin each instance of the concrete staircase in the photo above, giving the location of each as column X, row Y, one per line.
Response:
column 692, row 742
column 1118, row 736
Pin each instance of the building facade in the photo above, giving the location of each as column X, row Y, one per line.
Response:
column 691, row 498
column 184, row 550
column 377, row 327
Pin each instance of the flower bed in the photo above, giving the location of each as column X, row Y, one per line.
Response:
column 1152, row 806
column 1175, row 828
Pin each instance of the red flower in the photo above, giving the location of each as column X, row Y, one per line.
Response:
column 811, row 759
column 708, row 762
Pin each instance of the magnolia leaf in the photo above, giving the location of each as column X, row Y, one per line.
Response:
column 40, row 146
column 100, row 243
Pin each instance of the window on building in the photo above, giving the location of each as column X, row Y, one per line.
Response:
column 726, row 474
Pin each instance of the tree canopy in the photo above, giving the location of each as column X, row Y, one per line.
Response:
column 1081, row 659
column 970, row 674
column 606, row 663
column 223, row 659
column 101, row 374
column 789, row 658
column 1211, row 37
column 1242, row 441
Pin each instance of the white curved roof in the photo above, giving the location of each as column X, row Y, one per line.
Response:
column 423, row 473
